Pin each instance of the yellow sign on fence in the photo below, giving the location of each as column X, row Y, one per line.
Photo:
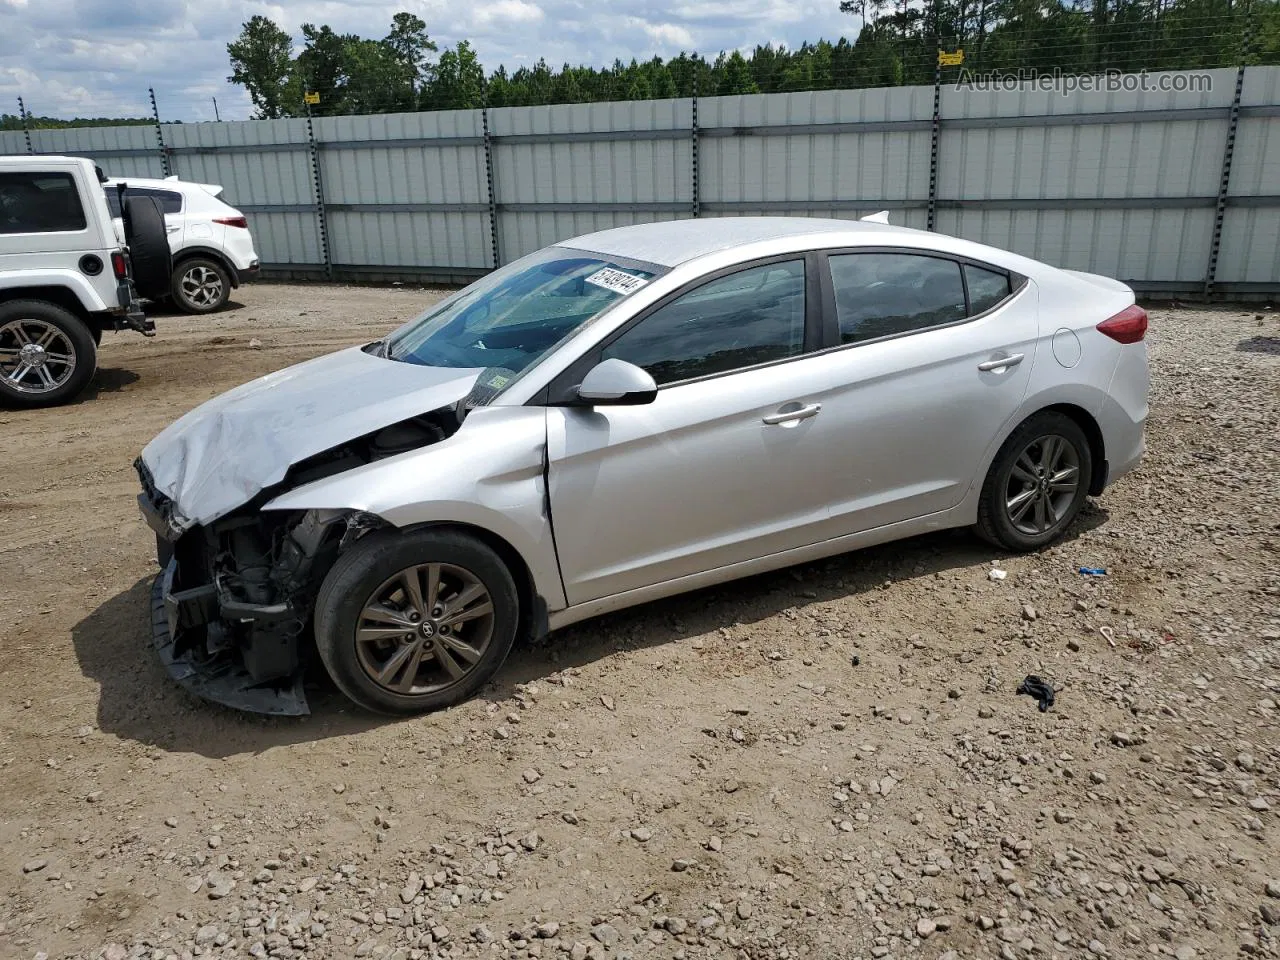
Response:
column 950, row 59
column 311, row 98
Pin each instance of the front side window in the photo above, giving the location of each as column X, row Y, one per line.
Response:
column 40, row 203
column 749, row 317
column 517, row 314
column 884, row 294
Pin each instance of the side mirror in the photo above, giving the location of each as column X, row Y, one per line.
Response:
column 615, row 382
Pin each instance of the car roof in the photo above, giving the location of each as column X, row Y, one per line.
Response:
column 675, row 242
column 189, row 187
column 670, row 243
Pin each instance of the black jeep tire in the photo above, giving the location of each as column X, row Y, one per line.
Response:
column 200, row 285
column 60, row 354
column 144, row 231
column 1049, row 461
column 397, row 648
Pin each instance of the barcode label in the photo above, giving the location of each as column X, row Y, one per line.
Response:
column 617, row 281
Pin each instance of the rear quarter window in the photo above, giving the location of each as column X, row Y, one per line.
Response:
column 32, row 202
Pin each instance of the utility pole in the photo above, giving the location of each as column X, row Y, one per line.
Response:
column 216, row 116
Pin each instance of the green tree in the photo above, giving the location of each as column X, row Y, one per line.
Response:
column 322, row 67
column 262, row 62
column 458, row 82
column 735, row 75
column 412, row 48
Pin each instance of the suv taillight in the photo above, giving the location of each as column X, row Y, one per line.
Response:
column 1127, row 326
column 240, row 222
column 120, row 265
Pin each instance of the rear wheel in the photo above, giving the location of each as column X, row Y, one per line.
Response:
column 1037, row 483
column 407, row 623
column 200, row 285
column 47, row 355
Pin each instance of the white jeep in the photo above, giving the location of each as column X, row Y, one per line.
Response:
column 68, row 273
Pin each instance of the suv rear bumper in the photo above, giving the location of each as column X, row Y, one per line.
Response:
column 130, row 315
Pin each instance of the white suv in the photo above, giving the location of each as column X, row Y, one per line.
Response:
column 212, row 247
column 68, row 273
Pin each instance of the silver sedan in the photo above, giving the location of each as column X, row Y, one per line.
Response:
column 622, row 417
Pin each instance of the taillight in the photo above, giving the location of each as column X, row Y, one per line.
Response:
column 1127, row 326
column 240, row 222
column 120, row 265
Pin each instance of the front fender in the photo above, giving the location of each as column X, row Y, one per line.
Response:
column 491, row 474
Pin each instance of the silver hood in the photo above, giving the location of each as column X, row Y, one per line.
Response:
column 226, row 451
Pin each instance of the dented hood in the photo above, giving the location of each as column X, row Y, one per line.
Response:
column 226, row 451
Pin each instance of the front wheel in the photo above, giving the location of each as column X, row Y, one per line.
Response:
column 1037, row 483
column 407, row 623
column 201, row 285
column 47, row 354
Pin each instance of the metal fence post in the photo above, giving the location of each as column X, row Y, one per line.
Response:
column 933, row 147
column 488, row 179
column 697, row 197
column 155, row 112
column 1228, row 151
column 26, row 129
column 317, row 182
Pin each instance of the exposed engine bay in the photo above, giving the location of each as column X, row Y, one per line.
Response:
column 232, row 607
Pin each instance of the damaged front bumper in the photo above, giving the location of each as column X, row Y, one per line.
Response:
column 221, row 676
column 231, row 609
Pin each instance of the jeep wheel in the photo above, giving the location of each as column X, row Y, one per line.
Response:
column 47, row 355
column 200, row 285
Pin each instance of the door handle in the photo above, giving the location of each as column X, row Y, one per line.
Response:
column 791, row 416
column 1012, row 361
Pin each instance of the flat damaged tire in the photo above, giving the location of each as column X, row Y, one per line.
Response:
column 411, row 622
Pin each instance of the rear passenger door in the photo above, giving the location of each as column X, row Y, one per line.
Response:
column 927, row 357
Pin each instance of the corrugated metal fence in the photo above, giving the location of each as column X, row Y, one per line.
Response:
column 1175, row 192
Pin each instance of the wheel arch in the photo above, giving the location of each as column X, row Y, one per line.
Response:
column 533, row 606
column 1093, row 433
column 191, row 253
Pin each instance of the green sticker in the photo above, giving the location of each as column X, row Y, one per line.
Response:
column 499, row 381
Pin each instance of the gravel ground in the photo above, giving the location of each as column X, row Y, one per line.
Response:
column 830, row 761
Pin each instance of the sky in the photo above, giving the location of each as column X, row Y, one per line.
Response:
column 72, row 58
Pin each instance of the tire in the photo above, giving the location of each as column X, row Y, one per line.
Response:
column 1021, row 509
column 144, row 231
column 200, row 285
column 370, row 579
column 47, row 354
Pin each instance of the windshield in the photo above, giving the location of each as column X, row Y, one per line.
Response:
column 517, row 314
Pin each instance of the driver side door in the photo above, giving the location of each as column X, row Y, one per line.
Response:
column 720, row 467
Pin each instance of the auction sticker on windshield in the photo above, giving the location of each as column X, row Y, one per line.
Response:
column 617, row 280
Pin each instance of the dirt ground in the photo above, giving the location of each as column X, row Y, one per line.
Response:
column 829, row 761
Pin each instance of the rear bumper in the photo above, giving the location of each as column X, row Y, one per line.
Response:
column 1123, row 416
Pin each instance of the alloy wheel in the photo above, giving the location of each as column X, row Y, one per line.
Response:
column 1042, row 485
column 201, row 286
column 35, row 356
column 424, row 629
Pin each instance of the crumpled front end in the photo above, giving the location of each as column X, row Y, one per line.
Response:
column 231, row 607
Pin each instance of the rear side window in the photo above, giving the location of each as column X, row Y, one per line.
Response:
column 40, row 203
column 883, row 294
column 746, row 318
column 986, row 288
column 170, row 200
